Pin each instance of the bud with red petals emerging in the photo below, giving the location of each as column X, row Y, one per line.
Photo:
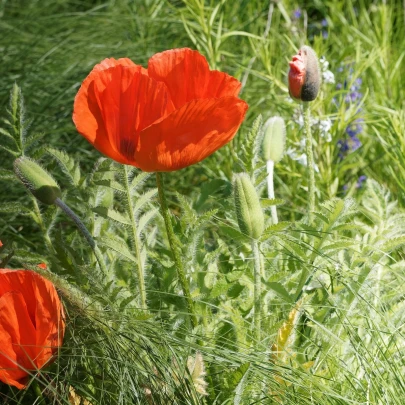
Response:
column 304, row 78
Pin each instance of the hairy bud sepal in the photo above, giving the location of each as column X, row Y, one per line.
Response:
column 273, row 145
column 37, row 180
column 304, row 77
column 247, row 204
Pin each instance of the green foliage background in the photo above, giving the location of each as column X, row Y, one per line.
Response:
column 339, row 278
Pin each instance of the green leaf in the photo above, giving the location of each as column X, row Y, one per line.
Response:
column 114, row 185
column 138, row 180
column 144, row 199
column 108, row 213
column 144, row 220
column 279, row 290
column 118, row 246
column 268, row 202
column 15, row 208
column 67, row 164
column 7, row 175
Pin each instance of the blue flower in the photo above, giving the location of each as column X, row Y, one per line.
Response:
column 297, row 13
column 360, row 181
column 324, row 22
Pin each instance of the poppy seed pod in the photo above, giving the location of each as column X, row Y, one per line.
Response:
column 248, row 210
column 304, row 77
column 273, row 145
column 32, row 325
column 37, row 180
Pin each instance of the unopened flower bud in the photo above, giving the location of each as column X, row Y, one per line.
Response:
column 248, row 210
column 304, row 78
column 37, row 180
column 274, row 139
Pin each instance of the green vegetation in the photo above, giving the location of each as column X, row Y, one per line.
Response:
column 330, row 290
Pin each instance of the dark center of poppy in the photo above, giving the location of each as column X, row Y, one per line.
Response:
column 127, row 148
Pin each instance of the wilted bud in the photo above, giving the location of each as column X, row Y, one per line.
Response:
column 248, row 210
column 37, row 180
column 274, row 139
column 304, row 78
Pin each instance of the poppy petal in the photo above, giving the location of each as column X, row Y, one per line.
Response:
column 16, row 333
column 190, row 134
column 129, row 102
column 188, row 77
column 86, row 112
column 49, row 322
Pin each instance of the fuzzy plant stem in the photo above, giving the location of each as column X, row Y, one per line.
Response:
column 270, row 189
column 83, row 230
column 257, row 292
column 310, row 159
column 174, row 248
column 137, row 242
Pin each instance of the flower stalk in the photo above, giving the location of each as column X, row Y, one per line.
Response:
column 83, row 230
column 270, row 189
column 310, row 160
column 257, row 292
column 137, row 243
column 174, row 248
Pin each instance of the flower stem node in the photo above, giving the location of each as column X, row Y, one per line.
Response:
column 37, row 180
column 274, row 139
column 248, row 210
column 304, row 78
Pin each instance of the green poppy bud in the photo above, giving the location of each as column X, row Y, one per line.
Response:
column 273, row 145
column 248, row 210
column 37, row 180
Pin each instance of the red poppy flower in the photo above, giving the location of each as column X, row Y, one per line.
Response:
column 31, row 324
column 304, row 77
column 169, row 116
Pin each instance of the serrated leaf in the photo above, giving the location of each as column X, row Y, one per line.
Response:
column 15, row 208
column 274, row 228
column 393, row 244
column 138, row 180
column 241, row 385
column 7, row 175
column 144, row 199
column 322, row 217
column 108, row 213
column 118, row 246
column 145, row 218
column 268, row 202
column 339, row 245
column 114, row 185
column 279, row 290
column 67, row 164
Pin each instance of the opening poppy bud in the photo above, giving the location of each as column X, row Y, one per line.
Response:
column 248, row 210
column 274, row 139
column 37, row 180
column 304, row 77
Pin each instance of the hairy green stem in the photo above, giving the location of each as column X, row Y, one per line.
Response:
column 137, row 242
column 270, row 189
column 174, row 248
column 83, row 230
column 257, row 292
column 310, row 160
column 41, row 224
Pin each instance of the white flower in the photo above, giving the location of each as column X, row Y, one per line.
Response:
column 328, row 77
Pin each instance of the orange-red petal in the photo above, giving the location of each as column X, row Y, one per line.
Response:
column 129, row 102
column 86, row 112
column 36, row 304
column 188, row 77
column 190, row 134
column 17, row 350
